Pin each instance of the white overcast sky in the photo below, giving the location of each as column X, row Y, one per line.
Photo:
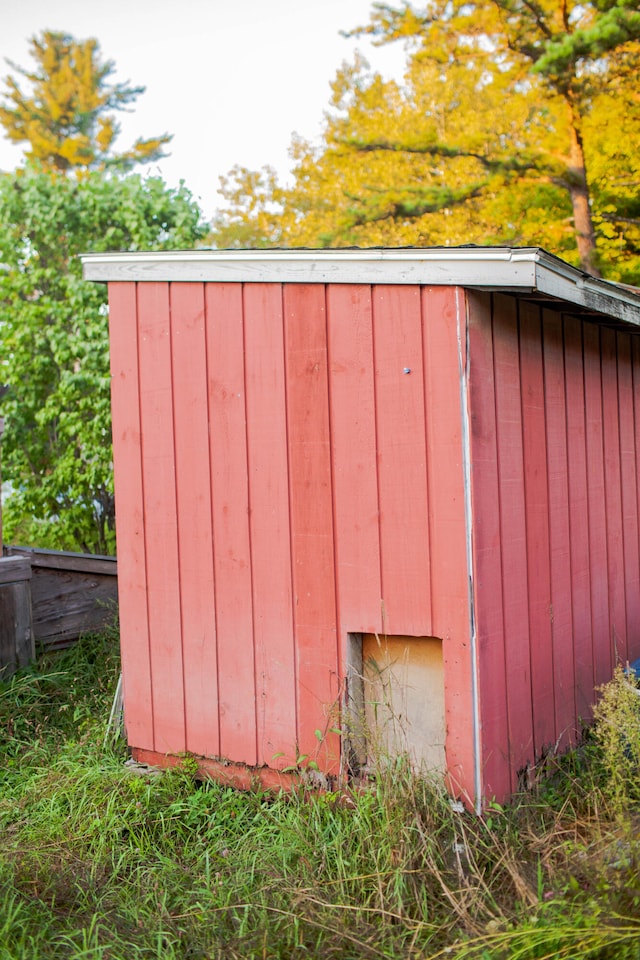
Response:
column 232, row 80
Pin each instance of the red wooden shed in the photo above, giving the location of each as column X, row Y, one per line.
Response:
column 401, row 484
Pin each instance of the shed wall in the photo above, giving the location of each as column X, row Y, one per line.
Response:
column 288, row 463
column 554, row 451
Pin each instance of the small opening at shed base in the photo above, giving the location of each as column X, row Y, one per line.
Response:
column 394, row 703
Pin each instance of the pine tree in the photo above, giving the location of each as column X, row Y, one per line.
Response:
column 574, row 48
column 68, row 116
column 517, row 122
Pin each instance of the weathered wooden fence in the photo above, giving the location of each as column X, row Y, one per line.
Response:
column 16, row 631
column 66, row 595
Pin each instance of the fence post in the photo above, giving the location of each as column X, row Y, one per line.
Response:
column 17, row 646
column 1, row 432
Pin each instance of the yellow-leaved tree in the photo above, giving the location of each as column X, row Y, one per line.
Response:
column 68, row 114
column 517, row 122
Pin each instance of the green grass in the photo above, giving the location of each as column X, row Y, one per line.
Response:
column 96, row 862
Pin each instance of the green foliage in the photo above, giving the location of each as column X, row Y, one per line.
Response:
column 617, row 733
column 602, row 27
column 97, row 862
column 487, row 140
column 68, row 117
column 53, row 329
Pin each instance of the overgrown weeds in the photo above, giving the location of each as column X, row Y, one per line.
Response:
column 98, row 863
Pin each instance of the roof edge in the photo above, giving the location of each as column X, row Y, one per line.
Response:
column 506, row 269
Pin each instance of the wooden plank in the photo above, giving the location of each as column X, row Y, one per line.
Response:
column 634, row 638
column 14, row 568
column 353, row 440
column 72, row 594
column 578, row 516
column 127, row 458
column 487, row 554
column 537, row 516
column 68, row 603
column 444, row 333
column 195, row 532
column 16, row 631
column 597, row 505
column 236, row 776
column 63, row 560
column 613, row 499
column 25, row 650
column 513, row 532
column 230, row 511
column 629, row 504
column 312, row 542
column 559, row 530
column 629, row 484
column 269, row 524
column 402, row 461
column 161, row 533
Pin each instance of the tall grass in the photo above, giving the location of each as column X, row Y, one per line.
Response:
column 96, row 862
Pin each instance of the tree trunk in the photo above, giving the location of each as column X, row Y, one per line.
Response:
column 579, row 193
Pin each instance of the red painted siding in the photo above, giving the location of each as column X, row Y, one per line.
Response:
column 555, row 522
column 129, row 489
column 628, row 485
column 488, row 553
column 226, row 404
column 578, row 516
column 312, row 540
column 401, row 461
column 269, row 522
column 443, row 315
column 354, row 452
column 510, row 505
column 160, row 517
column 195, row 532
column 563, row 653
column 298, row 464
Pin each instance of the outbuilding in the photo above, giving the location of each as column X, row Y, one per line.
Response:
column 369, row 501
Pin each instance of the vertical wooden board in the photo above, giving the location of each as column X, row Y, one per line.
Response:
column 161, row 528
column 634, row 639
column 127, row 460
column 578, row 516
column 23, row 634
column 269, row 524
column 537, row 515
column 613, row 498
column 353, row 443
column 195, row 535
column 629, row 484
column 8, row 623
column 402, row 466
column 513, row 530
column 597, row 505
column 487, row 556
column 559, row 529
column 230, row 512
column 314, row 609
column 444, row 333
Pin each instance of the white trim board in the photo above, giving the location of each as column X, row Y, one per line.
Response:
column 507, row 269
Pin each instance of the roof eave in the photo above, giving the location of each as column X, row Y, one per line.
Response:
column 503, row 269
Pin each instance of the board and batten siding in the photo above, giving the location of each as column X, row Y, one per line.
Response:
column 288, row 472
column 555, row 437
